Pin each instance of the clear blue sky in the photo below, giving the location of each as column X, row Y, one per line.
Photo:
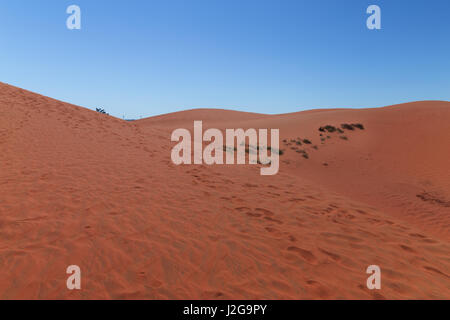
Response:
column 147, row 57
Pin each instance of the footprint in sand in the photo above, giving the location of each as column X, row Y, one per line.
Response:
column 265, row 212
column 435, row 271
column 319, row 289
column 305, row 254
column 212, row 295
column 273, row 220
column 333, row 256
column 407, row 249
column 275, row 232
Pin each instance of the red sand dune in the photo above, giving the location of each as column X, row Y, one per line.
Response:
column 78, row 187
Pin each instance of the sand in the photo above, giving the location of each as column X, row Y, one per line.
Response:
column 81, row 188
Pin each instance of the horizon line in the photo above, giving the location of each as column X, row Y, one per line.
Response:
column 190, row 109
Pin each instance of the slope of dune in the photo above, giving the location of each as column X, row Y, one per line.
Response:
column 81, row 188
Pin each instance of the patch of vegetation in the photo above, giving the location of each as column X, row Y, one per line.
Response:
column 358, row 125
column 306, row 141
column 303, row 153
column 347, row 126
column 352, row 126
column 328, row 128
column 425, row 196
column 227, row 148
column 102, row 111
column 343, row 137
column 277, row 151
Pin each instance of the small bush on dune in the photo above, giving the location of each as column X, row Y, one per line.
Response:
column 227, row 148
column 100, row 110
column 278, row 151
column 347, row 126
column 352, row 126
column 303, row 153
column 358, row 125
column 328, row 128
